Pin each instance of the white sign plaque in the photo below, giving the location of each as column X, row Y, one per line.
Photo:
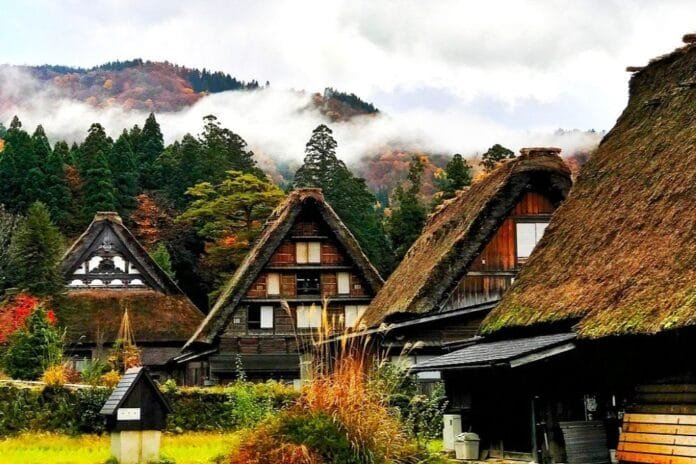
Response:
column 126, row 414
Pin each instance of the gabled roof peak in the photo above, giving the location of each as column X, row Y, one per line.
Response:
column 112, row 216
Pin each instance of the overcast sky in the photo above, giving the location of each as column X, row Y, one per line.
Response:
column 522, row 65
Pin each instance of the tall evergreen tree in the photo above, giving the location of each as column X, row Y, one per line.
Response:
column 408, row 214
column 17, row 180
column 223, row 150
column 97, row 178
column 457, row 175
column 8, row 224
column 123, row 168
column 347, row 194
column 53, row 189
column 35, row 252
column 149, row 147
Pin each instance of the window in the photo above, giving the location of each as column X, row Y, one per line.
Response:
column 308, row 252
column 528, row 235
column 273, row 284
column 260, row 317
column 308, row 317
column 353, row 314
column 308, row 283
column 266, row 317
column 343, row 279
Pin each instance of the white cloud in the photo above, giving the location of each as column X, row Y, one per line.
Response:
column 546, row 64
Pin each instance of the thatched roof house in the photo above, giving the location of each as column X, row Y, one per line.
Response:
column 457, row 233
column 107, row 271
column 278, row 228
column 620, row 255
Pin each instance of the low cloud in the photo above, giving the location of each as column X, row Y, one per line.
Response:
column 276, row 122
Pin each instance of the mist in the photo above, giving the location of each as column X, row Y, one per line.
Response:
column 278, row 122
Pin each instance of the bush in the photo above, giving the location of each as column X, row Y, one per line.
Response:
column 239, row 405
column 320, row 434
column 51, row 410
column 57, row 409
column 34, row 348
column 420, row 412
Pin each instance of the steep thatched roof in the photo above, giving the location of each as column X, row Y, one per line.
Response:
column 460, row 229
column 161, row 313
column 277, row 227
column 152, row 273
column 620, row 255
column 155, row 317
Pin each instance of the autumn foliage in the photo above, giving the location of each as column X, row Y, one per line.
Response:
column 14, row 313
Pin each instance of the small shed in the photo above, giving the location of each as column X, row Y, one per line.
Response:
column 136, row 413
column 136, row 404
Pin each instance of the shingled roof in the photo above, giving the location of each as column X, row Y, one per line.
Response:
column 455, row 234
column 160, row 313
column 620, row 255
column 275, row 230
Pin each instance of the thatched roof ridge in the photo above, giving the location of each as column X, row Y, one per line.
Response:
column 276, row 228
column 619, row 257
column 457, row 232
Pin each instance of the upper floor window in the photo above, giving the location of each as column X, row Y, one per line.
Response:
column 343, row 283
column 272, row 284
column 528, row 235
column 308, row 252
column 308, row 283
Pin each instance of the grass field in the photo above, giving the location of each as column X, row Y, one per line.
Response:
column 189, row 448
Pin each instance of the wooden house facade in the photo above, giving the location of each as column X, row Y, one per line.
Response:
column 107, row 272
column 305, row 259
column 467, row 257
column 591, row 348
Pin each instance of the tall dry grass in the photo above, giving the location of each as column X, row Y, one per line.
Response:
column 338, row 386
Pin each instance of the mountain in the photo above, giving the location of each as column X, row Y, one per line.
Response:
column 163, row 86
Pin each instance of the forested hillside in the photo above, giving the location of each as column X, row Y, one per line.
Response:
column 163, row 86
column 198, row 203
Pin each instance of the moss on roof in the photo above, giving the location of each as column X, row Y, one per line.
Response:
column 456, row 233
column 620, row 254
column 97, row 314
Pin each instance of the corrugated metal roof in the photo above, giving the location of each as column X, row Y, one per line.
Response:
column 486, row 353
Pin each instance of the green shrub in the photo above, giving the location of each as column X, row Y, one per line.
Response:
column 194, row 409
column 420, row 412
column 34, row 348
column 320, row 434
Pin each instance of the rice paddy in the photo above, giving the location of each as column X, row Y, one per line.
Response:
column 37, row 448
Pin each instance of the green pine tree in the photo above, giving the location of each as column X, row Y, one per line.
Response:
column 122, row 164
column 8, row 225
column 347, row 194
column 97, row 178
column 408, row 214
column 495, row 155
column 54, row 191
column 19, row 174
column 35, row 252
column 457, row 175
column 150, row 145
